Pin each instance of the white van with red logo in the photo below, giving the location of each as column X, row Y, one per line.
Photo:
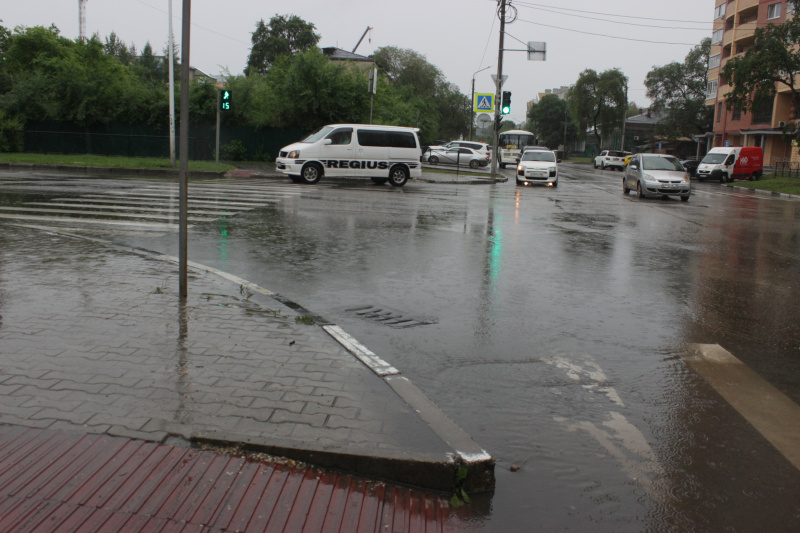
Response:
column 383, row 153
column 730, row 163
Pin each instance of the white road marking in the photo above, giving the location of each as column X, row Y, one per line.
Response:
column 766, row 408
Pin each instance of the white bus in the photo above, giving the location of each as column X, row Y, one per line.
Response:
column 510, row 145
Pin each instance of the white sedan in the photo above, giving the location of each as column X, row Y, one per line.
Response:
column 538, row 166
column 456, row 156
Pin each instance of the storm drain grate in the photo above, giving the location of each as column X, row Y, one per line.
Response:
column 388, row 317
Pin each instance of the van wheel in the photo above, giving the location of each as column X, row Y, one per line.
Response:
column 312, row 173
column 380, row 181
column 398, row 176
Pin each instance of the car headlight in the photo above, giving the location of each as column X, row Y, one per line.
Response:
column 686, row 178
column 648, row 177
column 294, row 154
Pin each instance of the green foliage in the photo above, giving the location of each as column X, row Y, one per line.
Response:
column 10, row 133
column 771, row 63
column 234, row 151
column 283, row 36
column 678, row 92
column 546, row 119
column 598, row 100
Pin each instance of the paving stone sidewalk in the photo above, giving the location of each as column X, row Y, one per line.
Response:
column 92, row 338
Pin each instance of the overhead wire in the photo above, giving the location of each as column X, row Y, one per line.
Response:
column 548, row 10
column 520, row 3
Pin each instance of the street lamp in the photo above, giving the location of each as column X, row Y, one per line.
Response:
column 472, row 102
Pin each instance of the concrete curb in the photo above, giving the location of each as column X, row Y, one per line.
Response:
column 762, row 192
column 113, row 170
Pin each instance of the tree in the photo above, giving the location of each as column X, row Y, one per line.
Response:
column 546, row 119
column 770, row 63
column 284, row 36
column 597, row 101
column 678, row 92
column 443, row 111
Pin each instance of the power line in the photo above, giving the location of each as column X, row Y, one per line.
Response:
column 604, row 35
column 196, row 25
column 529, row 4
column 547, row 10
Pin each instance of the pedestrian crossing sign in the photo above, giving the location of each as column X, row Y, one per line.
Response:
column 484, row 103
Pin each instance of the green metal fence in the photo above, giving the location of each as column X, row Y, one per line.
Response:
column 153, row 141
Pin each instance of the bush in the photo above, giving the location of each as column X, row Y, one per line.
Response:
column 234, row 151
column 10, row 133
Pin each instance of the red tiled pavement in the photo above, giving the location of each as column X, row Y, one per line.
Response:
column 54, row 481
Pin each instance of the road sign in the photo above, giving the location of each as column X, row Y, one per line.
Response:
column 537, row 51
column 484, row 120
column 484, row 103
column 494, row 79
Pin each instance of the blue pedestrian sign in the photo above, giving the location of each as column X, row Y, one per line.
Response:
column 484, row 103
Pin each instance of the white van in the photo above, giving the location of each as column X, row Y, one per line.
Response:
column 383, row 153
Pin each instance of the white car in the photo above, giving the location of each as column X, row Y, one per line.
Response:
column 538, row 166
column 611, row 159
column 456, row 156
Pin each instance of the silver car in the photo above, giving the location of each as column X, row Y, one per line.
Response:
column 656, row 175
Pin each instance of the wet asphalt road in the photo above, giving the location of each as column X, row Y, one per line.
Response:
column 550, row 324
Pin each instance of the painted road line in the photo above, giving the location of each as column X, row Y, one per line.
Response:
column 91, row 221
column 771, row 412
column 375, row 363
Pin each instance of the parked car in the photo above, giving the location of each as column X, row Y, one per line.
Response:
column 479, row 147
column 610, row 159
column 656, row 175
column 538, row 166
column 691, row 166
column 456, row 156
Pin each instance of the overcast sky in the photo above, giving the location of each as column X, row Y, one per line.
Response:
column 460, row 37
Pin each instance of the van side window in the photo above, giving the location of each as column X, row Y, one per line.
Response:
column 394, row 139
column 401, row 139
column 730, row 160
column 371, row 138
column 341, row 136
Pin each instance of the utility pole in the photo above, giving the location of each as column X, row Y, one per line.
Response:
column 183, row 171
column 82, row 20
column 624, row 117
column 499, row 85
column 171, row 91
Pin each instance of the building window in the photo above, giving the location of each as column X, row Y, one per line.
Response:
column 737, row 114
column 713, row 61
column 711, row 89
column 719, row 11
column 716, row 37
column 773, row 11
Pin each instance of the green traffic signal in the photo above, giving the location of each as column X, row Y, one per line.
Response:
column 225, row 100
column 506, row 107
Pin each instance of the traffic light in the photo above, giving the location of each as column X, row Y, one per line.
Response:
column 506, row 109
column 225, row 100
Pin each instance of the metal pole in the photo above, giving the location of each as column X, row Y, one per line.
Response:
column 624, row 117
column 499, row 85
column 171, row 92
column 472, row 108
column 183, row 172
column 219, row 92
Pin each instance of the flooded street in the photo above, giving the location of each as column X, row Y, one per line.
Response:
column 554, row 325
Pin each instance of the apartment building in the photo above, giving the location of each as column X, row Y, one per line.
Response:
column 735, row 22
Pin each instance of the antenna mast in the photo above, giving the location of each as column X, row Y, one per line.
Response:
column 82, row 17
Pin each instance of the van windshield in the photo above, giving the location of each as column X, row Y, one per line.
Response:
column 538, row 155
column 317, row 135
column 714, row 159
